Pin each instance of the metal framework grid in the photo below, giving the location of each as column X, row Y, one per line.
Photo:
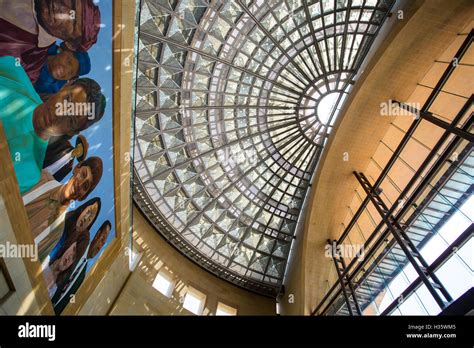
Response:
column 216, row 79
column 344, row 297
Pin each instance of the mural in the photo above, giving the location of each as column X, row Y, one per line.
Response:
column 56, row 110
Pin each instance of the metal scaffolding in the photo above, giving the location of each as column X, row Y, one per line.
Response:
column 359, row 271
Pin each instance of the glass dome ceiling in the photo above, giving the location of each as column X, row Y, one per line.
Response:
column 235, row 101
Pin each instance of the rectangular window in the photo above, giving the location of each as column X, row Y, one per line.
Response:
column 164, row 283
column 194, row 301
column 223, row 309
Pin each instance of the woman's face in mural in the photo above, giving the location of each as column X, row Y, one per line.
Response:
column 67, row 259
column 87, row 216
column 55, row 118
column 79, row 184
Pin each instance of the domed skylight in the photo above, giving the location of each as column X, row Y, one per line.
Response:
column 234, row 104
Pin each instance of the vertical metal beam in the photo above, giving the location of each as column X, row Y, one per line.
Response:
column 459, row 54
column 426, row 179
column 351, row 287
column 448, row 253
column 410, row 250
column 343, row 279
column 434, row 93
column 344, row 291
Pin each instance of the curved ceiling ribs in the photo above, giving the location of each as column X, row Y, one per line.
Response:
column 235, row 101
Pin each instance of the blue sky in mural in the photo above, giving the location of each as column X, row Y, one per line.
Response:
column 99, row 135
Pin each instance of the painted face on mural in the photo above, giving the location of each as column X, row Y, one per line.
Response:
column 62, row 18
column 67, row 258
column 63, row 66
column 53, row 119
column 87, row 216
column 99, row 241
column 78, row 186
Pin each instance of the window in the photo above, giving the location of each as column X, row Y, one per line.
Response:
column 164, row 282
column 223, row 309
column 194, row 301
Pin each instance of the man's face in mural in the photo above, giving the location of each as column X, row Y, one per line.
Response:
column 87, row 216
column 63, row 19
column 98, row 242
column 52, row 119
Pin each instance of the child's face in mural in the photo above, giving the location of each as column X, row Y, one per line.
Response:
column 79, row 184
column 62, row 18
column 52, row 118
column 67, row 258
column 98, row 242
column 86, row 217
column 63, row 66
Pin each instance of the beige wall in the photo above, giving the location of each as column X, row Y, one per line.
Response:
column 140, row 298
column 22, row 299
